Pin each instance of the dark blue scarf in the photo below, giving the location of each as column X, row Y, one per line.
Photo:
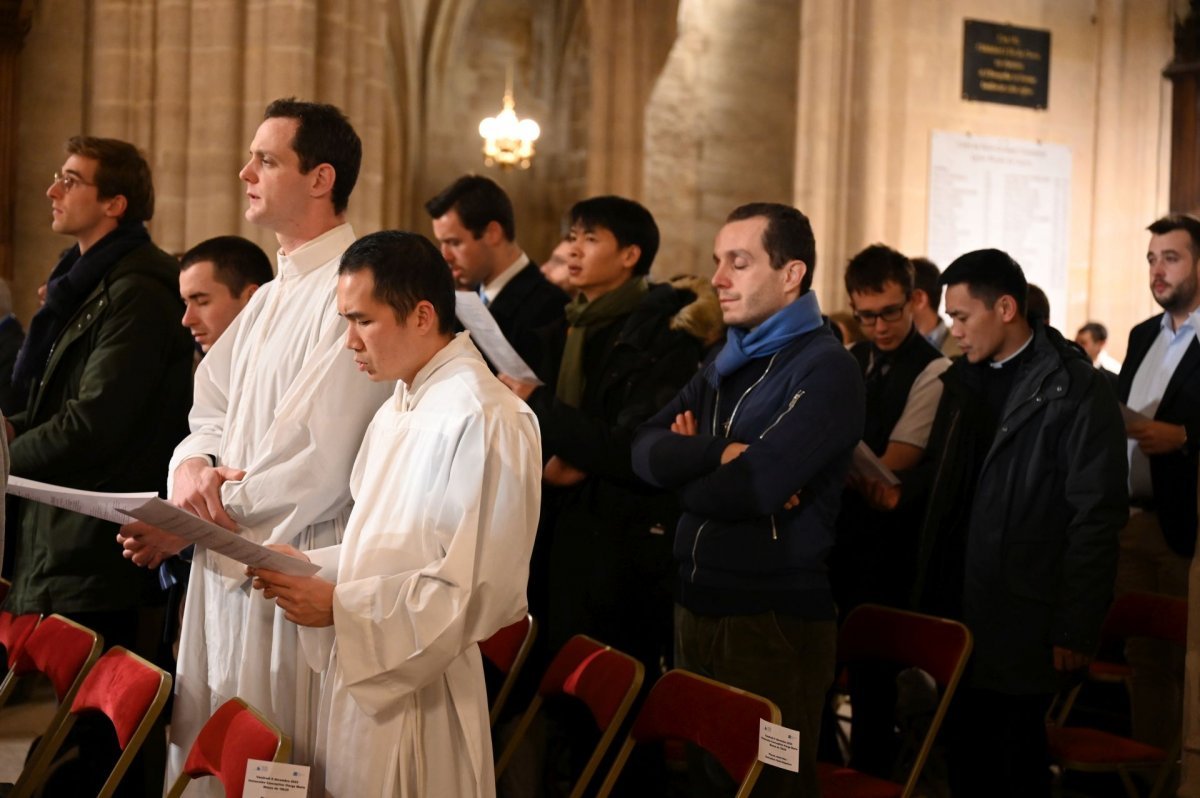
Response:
column 742, row 345
column 71, row 282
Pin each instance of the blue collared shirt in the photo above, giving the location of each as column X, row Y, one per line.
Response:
column 1149, row 385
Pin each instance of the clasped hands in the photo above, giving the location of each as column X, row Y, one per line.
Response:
column 197, row 489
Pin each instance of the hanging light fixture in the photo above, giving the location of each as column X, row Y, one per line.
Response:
column 508, row 141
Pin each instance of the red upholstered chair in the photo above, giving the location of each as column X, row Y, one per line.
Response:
column 126, row 689
column 14, row 631
column 507, row 650
column 235, row 734
column 604, row 679
column 1080, row 748
column 722, row 720
column 939, row 647
column 64, row 652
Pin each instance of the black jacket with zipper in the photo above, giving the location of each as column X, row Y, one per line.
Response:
column 1020, row 533
column 801, row 412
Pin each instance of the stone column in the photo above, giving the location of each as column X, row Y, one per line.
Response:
column 14, row 24
column 629, row 45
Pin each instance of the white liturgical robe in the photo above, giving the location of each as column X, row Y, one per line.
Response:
column 279, row 397
column 435, row 558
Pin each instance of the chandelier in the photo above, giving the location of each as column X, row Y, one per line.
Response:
column 508, row 141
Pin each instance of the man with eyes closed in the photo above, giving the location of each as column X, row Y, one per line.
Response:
column 276, row 422
column 756, row 447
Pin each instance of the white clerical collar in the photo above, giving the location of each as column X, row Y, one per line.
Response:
column 492, row 290
column 999, row 364
column 317, row 252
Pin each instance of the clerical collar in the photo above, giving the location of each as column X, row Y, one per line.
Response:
column 999, row 364
column 316, row 253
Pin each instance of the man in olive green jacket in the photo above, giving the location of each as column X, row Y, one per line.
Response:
column 107, row 367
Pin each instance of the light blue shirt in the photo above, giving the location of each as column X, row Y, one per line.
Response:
column 1149, row 385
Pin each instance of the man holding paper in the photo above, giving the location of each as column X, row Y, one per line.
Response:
column 757, row 446
column 277, row 419
column 108, row 373
column 474, row 226
column 875, row 557
column 436, row 551
column 622, row 357
column 1160, row 380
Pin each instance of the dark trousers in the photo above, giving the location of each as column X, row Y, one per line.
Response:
column 787, row 659
column 997, row 745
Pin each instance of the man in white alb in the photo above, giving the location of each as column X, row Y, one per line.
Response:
column 436, row 552
column 277, row 418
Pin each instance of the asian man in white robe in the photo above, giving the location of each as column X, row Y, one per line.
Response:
column 435, row 556
column 278, row 415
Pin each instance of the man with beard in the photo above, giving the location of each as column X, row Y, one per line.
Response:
column 1161, row 380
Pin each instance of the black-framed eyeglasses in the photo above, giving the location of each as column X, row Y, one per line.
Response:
column 889, row 314
column 70, row 181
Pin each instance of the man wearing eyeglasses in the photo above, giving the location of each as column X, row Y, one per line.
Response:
column 874, row 557
column 106, row 368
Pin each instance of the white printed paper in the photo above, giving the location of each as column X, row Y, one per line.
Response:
column 487, row 336
column 119, row 508
column 778, row 746
column 106, row 506
column 1132, row 417
column 275, row 780
column 866, row 465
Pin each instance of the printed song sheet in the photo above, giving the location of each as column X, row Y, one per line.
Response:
column 487, row 336
column 865, row 464
column 120, row 508
column 1132, row 417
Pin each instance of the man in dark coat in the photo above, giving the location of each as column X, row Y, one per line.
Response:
column 619, row 362
column 1027, row 455
column 1161, row 380
column 474, row 227
column 108, row 369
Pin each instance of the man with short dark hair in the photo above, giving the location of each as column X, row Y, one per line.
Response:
column 277, row 420
column 1028, row 492
column 1161, row 380
column 757, row 446
column 107, row 374
column 620, row 361
column 217, row 277
column 874, row 559
column 1093, row 338
column 434, row 559
column 474, row 226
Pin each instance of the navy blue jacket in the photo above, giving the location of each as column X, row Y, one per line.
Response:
column 801, row 411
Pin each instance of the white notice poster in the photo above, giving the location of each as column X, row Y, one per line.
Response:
column 1010, row 194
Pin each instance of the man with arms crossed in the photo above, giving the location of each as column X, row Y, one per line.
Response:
column 277, row 419
column 757, row 445
column 435, row 558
